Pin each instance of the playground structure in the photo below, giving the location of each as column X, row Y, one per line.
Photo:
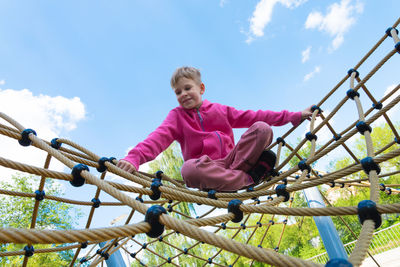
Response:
column 268, row 198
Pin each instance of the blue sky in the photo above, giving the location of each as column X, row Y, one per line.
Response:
column 97, row 72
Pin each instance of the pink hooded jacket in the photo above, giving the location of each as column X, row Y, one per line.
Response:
column 204, row 131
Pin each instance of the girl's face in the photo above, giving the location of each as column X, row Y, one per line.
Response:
column 189, row 93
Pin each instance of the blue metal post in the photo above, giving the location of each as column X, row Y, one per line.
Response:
column 115, row 259
column 330, row 237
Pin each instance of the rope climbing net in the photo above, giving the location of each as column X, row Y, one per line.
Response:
column 248, row 213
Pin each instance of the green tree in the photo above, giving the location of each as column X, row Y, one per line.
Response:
column 17, row 213
column 351, row 196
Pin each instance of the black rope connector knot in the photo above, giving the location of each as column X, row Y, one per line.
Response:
column 388, row 191
column 169, row 260
column 39, row 195
column 155, row 187
column 315, row 107
column 234, row 207
column 281, row 140
column 304, row 166
column 152, row 217
column 77, row 179
column 281, row 191
column 271, row 222
column 367, row 211
column 377, row 106
column 363, row 127
column 139, row 199
column 338, row 263
column 336, row 137
column 29, row 250
column 397, row 46
column 133, row 255
column 311, row 136
column 388, row 31
column 382, row 187
column 96, row 202
column 84, row 244
column 25, row 141
column 211, row 194
column 83, row 260
column 223, row 225
column 350, row 71
column 105, row 255
column 369, row 164
column 250, row 189
column 102, row 166
column 111, row 160
column 159, row 174
column 351, row 94
column 185, row 251
column 55, row 144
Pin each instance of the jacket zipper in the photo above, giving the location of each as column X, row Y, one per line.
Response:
column 201, row 120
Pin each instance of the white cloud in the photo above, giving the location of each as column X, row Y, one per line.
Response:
column 308, row 76
column 305, row 55
column 263, row 13
column 2, row 82
column 337, row 21
column 48, row 116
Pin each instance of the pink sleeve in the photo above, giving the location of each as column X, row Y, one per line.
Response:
column 241, row 119
column 155, row 143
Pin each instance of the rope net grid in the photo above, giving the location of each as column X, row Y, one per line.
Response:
column 232, row 225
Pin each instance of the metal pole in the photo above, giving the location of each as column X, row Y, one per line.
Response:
column 330, row 237
column 115, row 259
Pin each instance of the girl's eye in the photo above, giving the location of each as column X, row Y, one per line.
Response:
column 187, row 88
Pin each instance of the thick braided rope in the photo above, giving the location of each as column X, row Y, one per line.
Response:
column 177, row 192
column 134, row 204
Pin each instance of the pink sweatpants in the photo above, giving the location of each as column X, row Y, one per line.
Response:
column 229, row 173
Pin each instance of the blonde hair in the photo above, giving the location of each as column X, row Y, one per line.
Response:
column 185, row 72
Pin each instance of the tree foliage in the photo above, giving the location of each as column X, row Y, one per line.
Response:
column 351, row 196
column 16, row 212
